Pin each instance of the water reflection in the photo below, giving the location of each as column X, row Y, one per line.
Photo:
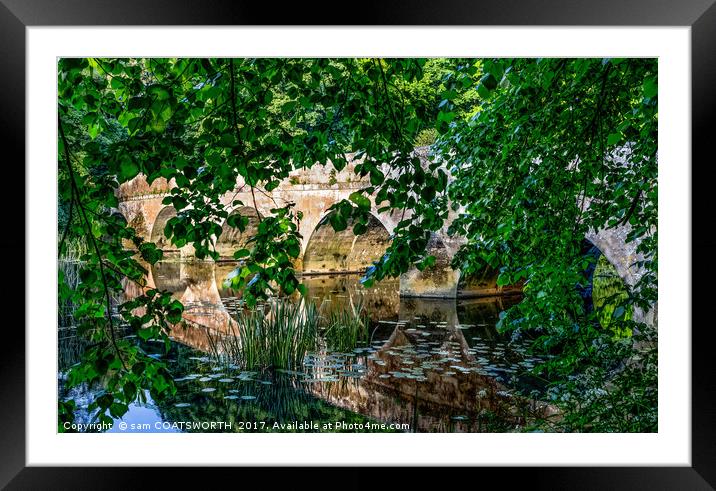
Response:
column 337, row 292
column 435, row 371
column 432, row 365
column 166, row 275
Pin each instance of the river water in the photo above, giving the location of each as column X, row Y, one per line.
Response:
column 428, row 365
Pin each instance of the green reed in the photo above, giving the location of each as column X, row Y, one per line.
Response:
column 271, row 336
column 345, row 329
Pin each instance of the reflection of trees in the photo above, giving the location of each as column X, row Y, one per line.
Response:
column 284, row 400
column 336, row 292
column 483, row 313
column 70, row 347
column 82, row 395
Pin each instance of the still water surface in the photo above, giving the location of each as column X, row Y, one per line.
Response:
column 429, row 366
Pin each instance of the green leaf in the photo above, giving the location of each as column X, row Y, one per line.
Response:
column 613, row 138
column 242, row 253
column 650, row 87
column 338, row 222
column 127, row 170
column 427, row 193
column 483, row 91
column 446, row 116
column 376, row 176
column 359, row 199
column 359, row 229
column 288, row 106
column 145, row 333
column 489, row 81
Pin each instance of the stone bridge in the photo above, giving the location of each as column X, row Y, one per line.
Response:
column 323, row 250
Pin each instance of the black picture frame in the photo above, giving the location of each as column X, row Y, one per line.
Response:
column 700, row 15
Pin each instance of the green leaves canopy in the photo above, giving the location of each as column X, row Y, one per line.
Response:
column 208, row 124
column 560, row 148
column 530, row 153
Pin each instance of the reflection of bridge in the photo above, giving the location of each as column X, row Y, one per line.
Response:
column 451, row 383
column 451, row 395
column 425, row 404
column 430, row 338
column 323, row 250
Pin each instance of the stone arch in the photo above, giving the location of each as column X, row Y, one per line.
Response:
column 330, row 251
column 437, row 281
column 233, row 239
column 157, row 235
column 621, row 254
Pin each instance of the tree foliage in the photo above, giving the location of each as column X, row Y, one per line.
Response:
column 525, row 156
column 208, row 124
column 560, row 148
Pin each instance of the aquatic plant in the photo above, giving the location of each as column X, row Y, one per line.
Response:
column 274, row 335
column 344, row 329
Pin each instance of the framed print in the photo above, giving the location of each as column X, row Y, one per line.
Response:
column 434, row 243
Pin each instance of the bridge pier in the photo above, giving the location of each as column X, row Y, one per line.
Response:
column 438, row 281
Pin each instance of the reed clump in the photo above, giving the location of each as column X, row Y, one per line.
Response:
column 280, row 333
column 276, row 335
column 345, row 329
